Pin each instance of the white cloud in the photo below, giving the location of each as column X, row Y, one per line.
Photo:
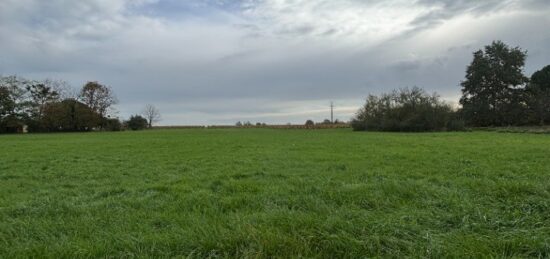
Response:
column 268, row 60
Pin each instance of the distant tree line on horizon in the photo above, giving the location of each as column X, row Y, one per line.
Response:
column 308, row 124
column 495, row 93
column 53, row 106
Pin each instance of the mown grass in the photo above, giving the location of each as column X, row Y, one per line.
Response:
column 274, row 193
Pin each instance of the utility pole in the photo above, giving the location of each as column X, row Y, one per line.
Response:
column 331, row 112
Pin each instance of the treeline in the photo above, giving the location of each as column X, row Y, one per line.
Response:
column 497, row 93
column 494, row 93
column 52, row 106
column 407, row 110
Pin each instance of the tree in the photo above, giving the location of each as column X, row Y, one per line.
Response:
column 538, row 91
column 63, row 89
column 405, row 110
column 40, row 95
column 7, row 104
column 152, row 114
column 137, row 122
column 69, row 115
column 46, row 106
column 14, row 89
column 491, row 93
column 310, row 124
column 99, row 98
column 13, row 103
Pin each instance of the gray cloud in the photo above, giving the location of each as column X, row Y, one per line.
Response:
column 268, row 60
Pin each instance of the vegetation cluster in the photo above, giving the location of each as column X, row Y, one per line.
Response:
column 406, row 110
column 495, row 93
column 53, row 106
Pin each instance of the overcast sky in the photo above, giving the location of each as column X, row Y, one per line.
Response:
column 276, row 61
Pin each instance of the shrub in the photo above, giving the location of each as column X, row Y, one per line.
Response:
column 112, row 125
column 136, row 122
column 411, row 110
column 69, row 115
column 310, row 124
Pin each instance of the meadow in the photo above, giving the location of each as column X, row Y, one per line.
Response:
column 257, row 193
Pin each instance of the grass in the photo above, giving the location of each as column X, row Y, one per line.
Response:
column 274, row 193
column 522, row 129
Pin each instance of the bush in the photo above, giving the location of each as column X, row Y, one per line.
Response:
column 310, row 124
column 136, row 122
column 456, row 124
column 112, row 125
column 411, row 110
column 69, row 116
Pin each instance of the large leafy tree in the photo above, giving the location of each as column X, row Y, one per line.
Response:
column 99, row 98
column 14, row 89
column 7, row 104
column 538, row 91
column 13, row 102
column 493, row 89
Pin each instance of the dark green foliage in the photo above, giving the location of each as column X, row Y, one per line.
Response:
column 38, row 107
column 406, row 109
column 6, row 107
column 493, row 92
column 310, row 123
column 112, row 124
column 455, row 124
column 538, row 92
column 100, row 98
column 11, row 124
column 12, row 104
column 137, row 122
column 7, row 104
column 69, row 115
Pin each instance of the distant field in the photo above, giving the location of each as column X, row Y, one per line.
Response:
column 275, row 193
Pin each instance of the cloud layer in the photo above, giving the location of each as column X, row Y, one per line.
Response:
column 278, row 61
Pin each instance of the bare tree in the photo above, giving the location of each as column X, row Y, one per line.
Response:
column 63, row 89
column 152, row 114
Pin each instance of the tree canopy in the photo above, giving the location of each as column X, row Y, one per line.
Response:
column 405, row 110
column 492, row 90
column 538, row 92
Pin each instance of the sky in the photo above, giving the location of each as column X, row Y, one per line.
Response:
column 275, row 61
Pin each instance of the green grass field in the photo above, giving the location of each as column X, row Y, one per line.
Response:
column 274, row 193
